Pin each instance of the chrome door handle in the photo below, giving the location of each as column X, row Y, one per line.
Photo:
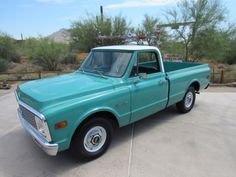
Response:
column 136, row 81
column 161, row 82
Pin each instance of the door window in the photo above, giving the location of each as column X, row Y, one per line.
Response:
column 147, row 62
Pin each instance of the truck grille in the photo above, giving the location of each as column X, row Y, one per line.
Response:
column 28, row 116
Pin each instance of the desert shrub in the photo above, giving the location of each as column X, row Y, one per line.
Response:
column 70, row 59
column 46, row 53
column 15, row 57
column 230, row 53
column 3, row 64
column 8, row 48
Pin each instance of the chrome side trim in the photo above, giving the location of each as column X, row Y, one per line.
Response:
column 50, row 149
column 41, row 116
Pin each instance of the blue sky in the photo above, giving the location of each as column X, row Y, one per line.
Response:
column 43, row 17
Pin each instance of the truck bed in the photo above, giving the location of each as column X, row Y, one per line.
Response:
column 173, row 66
column 181, row 75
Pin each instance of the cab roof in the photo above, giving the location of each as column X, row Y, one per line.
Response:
column 126, row 47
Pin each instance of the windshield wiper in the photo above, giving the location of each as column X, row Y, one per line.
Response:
column 94, row 71
column 100, row 73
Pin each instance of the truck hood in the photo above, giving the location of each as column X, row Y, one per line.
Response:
column 45, row 92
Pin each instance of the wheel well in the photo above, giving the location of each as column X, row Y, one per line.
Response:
column 105, row 114
column 195, row 85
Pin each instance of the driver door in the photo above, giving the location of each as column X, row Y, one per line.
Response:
column 148, row 95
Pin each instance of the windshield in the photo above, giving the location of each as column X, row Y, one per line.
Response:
column 109, row 63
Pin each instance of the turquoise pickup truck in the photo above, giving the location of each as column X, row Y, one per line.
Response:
column 115, row 86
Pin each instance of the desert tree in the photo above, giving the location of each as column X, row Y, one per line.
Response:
column 149, row 24
column 96, row 31
column 202, row 15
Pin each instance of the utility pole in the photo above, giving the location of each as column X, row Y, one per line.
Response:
column 21, row 35
column 101, row 12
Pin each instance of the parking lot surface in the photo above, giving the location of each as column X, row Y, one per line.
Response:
column 201, row 143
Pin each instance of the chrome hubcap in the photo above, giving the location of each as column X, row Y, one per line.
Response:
column 95, row 138
column 188, row 100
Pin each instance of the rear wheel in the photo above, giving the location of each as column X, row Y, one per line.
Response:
column 92, row 139
column 188, row 101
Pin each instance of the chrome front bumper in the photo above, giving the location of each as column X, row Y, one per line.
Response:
column 50, row 149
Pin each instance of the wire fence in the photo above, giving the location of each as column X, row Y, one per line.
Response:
column 223, row 76
column 26, row 76
column 217, row 76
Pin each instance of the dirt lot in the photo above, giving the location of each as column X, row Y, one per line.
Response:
column 167, row 144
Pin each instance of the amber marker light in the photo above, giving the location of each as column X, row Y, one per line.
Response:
column 62, row 124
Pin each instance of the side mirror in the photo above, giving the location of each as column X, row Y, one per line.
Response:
column 143, row 76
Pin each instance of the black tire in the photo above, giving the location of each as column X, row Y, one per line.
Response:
column 78, row 147
column 182, row 106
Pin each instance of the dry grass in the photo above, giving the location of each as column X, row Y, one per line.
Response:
column 26, row 70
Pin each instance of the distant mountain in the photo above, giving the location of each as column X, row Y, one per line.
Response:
column 63, row 35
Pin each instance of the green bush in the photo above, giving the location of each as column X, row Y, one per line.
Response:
column 8, row 48
column 70, row 59
column 98, row 31
column 230, row 53
column 3, row 64
column 230, row 59
column 46, row 53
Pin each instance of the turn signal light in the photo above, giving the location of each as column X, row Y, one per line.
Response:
column 62, row 124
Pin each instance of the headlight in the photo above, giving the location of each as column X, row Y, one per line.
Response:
column 42, row 128
column 40, row 125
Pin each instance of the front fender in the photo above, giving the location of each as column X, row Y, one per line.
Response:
column 87, row 114
column 115, row 101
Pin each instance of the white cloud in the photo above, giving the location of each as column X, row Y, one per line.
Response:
column 55, row 1
column 140, row 3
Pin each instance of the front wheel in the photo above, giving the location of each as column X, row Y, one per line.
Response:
column 188, row 101
column 92, row 139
